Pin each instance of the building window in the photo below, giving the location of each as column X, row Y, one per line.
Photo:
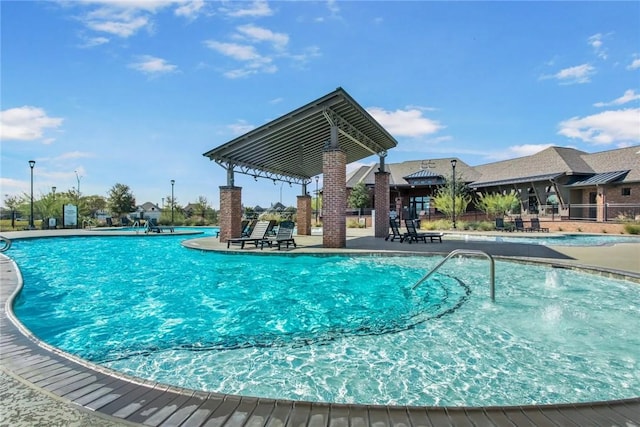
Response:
column 626, row 191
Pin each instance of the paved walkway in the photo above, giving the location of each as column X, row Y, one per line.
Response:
column 25, row 404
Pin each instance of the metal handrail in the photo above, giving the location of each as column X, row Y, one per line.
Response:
column 492, row 282
column 7, row 244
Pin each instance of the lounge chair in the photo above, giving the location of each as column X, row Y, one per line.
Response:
column 284, row 235
column 500, row 224
column 535, row 226
column 395, row 231
column 247, row 227
column 519, row 225
column 154, row 227
column 413, row 235
column 257, row 235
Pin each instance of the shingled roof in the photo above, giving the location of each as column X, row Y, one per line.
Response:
column 399, row 172
column 550, row 163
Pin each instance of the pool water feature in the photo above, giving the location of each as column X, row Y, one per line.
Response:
column 333, row 328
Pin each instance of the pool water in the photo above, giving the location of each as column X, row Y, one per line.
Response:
column 333, row 328
column 554, row 239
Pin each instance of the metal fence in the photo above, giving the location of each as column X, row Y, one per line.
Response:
column 610, row 212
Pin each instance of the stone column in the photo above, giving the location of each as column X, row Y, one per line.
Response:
column 230, row 212
column 304, row 215
column 382, row 201
column 334, row 198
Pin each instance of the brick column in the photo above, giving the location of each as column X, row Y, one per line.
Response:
column 334, row 198
column 304, row 216
column 230, row 212
column 382, row 200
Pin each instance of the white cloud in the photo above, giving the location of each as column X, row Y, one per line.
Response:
column 609, row 127
column 255, row 9
column 635, row 64
column 254, row 62
column 26, row 123
column 126, row 18
column 153, row 66
column 572, row 75
column 595, row 41
column 259, row 34
column 408, row 122
column 189, row 9
column 240, row 127
column 95, row 41
column 629, row 95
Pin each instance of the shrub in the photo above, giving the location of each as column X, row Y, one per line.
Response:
column 632, row 228
column 354, row 223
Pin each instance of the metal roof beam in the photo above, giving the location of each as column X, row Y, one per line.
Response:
column 351, row 132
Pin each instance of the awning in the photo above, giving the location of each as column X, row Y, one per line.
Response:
column 599, row 179
column 511, row 181
column 291, row 147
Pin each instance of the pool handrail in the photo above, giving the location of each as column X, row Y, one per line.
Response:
column 7, row 244
column 492, row 268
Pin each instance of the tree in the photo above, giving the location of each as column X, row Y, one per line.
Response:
column 497, row 205
column 359, row 197
column 201, row 206
column 12, row 202
column 443, row 200
column 121, row 200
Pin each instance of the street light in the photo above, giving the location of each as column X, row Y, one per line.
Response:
column 453, row 190
column 173, row 202
column 32, row 163
column 317, row 199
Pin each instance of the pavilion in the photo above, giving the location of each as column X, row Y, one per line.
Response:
column 320, row 137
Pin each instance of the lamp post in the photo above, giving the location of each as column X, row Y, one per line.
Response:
column 53, row 190
column 453, row 190
column 317, row 199
column 173, row 202
column 32, row 163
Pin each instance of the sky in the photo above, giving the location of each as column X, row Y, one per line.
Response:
column 100, row 93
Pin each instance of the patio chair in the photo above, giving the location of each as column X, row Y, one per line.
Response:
column 283, row 236
column 535, row 226
column 154, row 227
column 109, row 221
column 519, row 225
column 395, row 231
column 413, row 235
column 500, row 224
column 124, row 221
column 257, row 235
column 247, row 227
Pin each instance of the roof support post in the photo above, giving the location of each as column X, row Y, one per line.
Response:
column 230, row 175
column 333, row 142
column 334, row 200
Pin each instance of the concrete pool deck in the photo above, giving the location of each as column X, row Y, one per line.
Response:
column 42, row 386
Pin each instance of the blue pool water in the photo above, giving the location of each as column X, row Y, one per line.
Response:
column 333, row 328
column 555, row 239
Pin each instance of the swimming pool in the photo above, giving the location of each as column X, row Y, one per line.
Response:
column 554, row 239
column 552, row 336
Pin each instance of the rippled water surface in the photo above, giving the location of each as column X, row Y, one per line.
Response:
column 333, row 328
